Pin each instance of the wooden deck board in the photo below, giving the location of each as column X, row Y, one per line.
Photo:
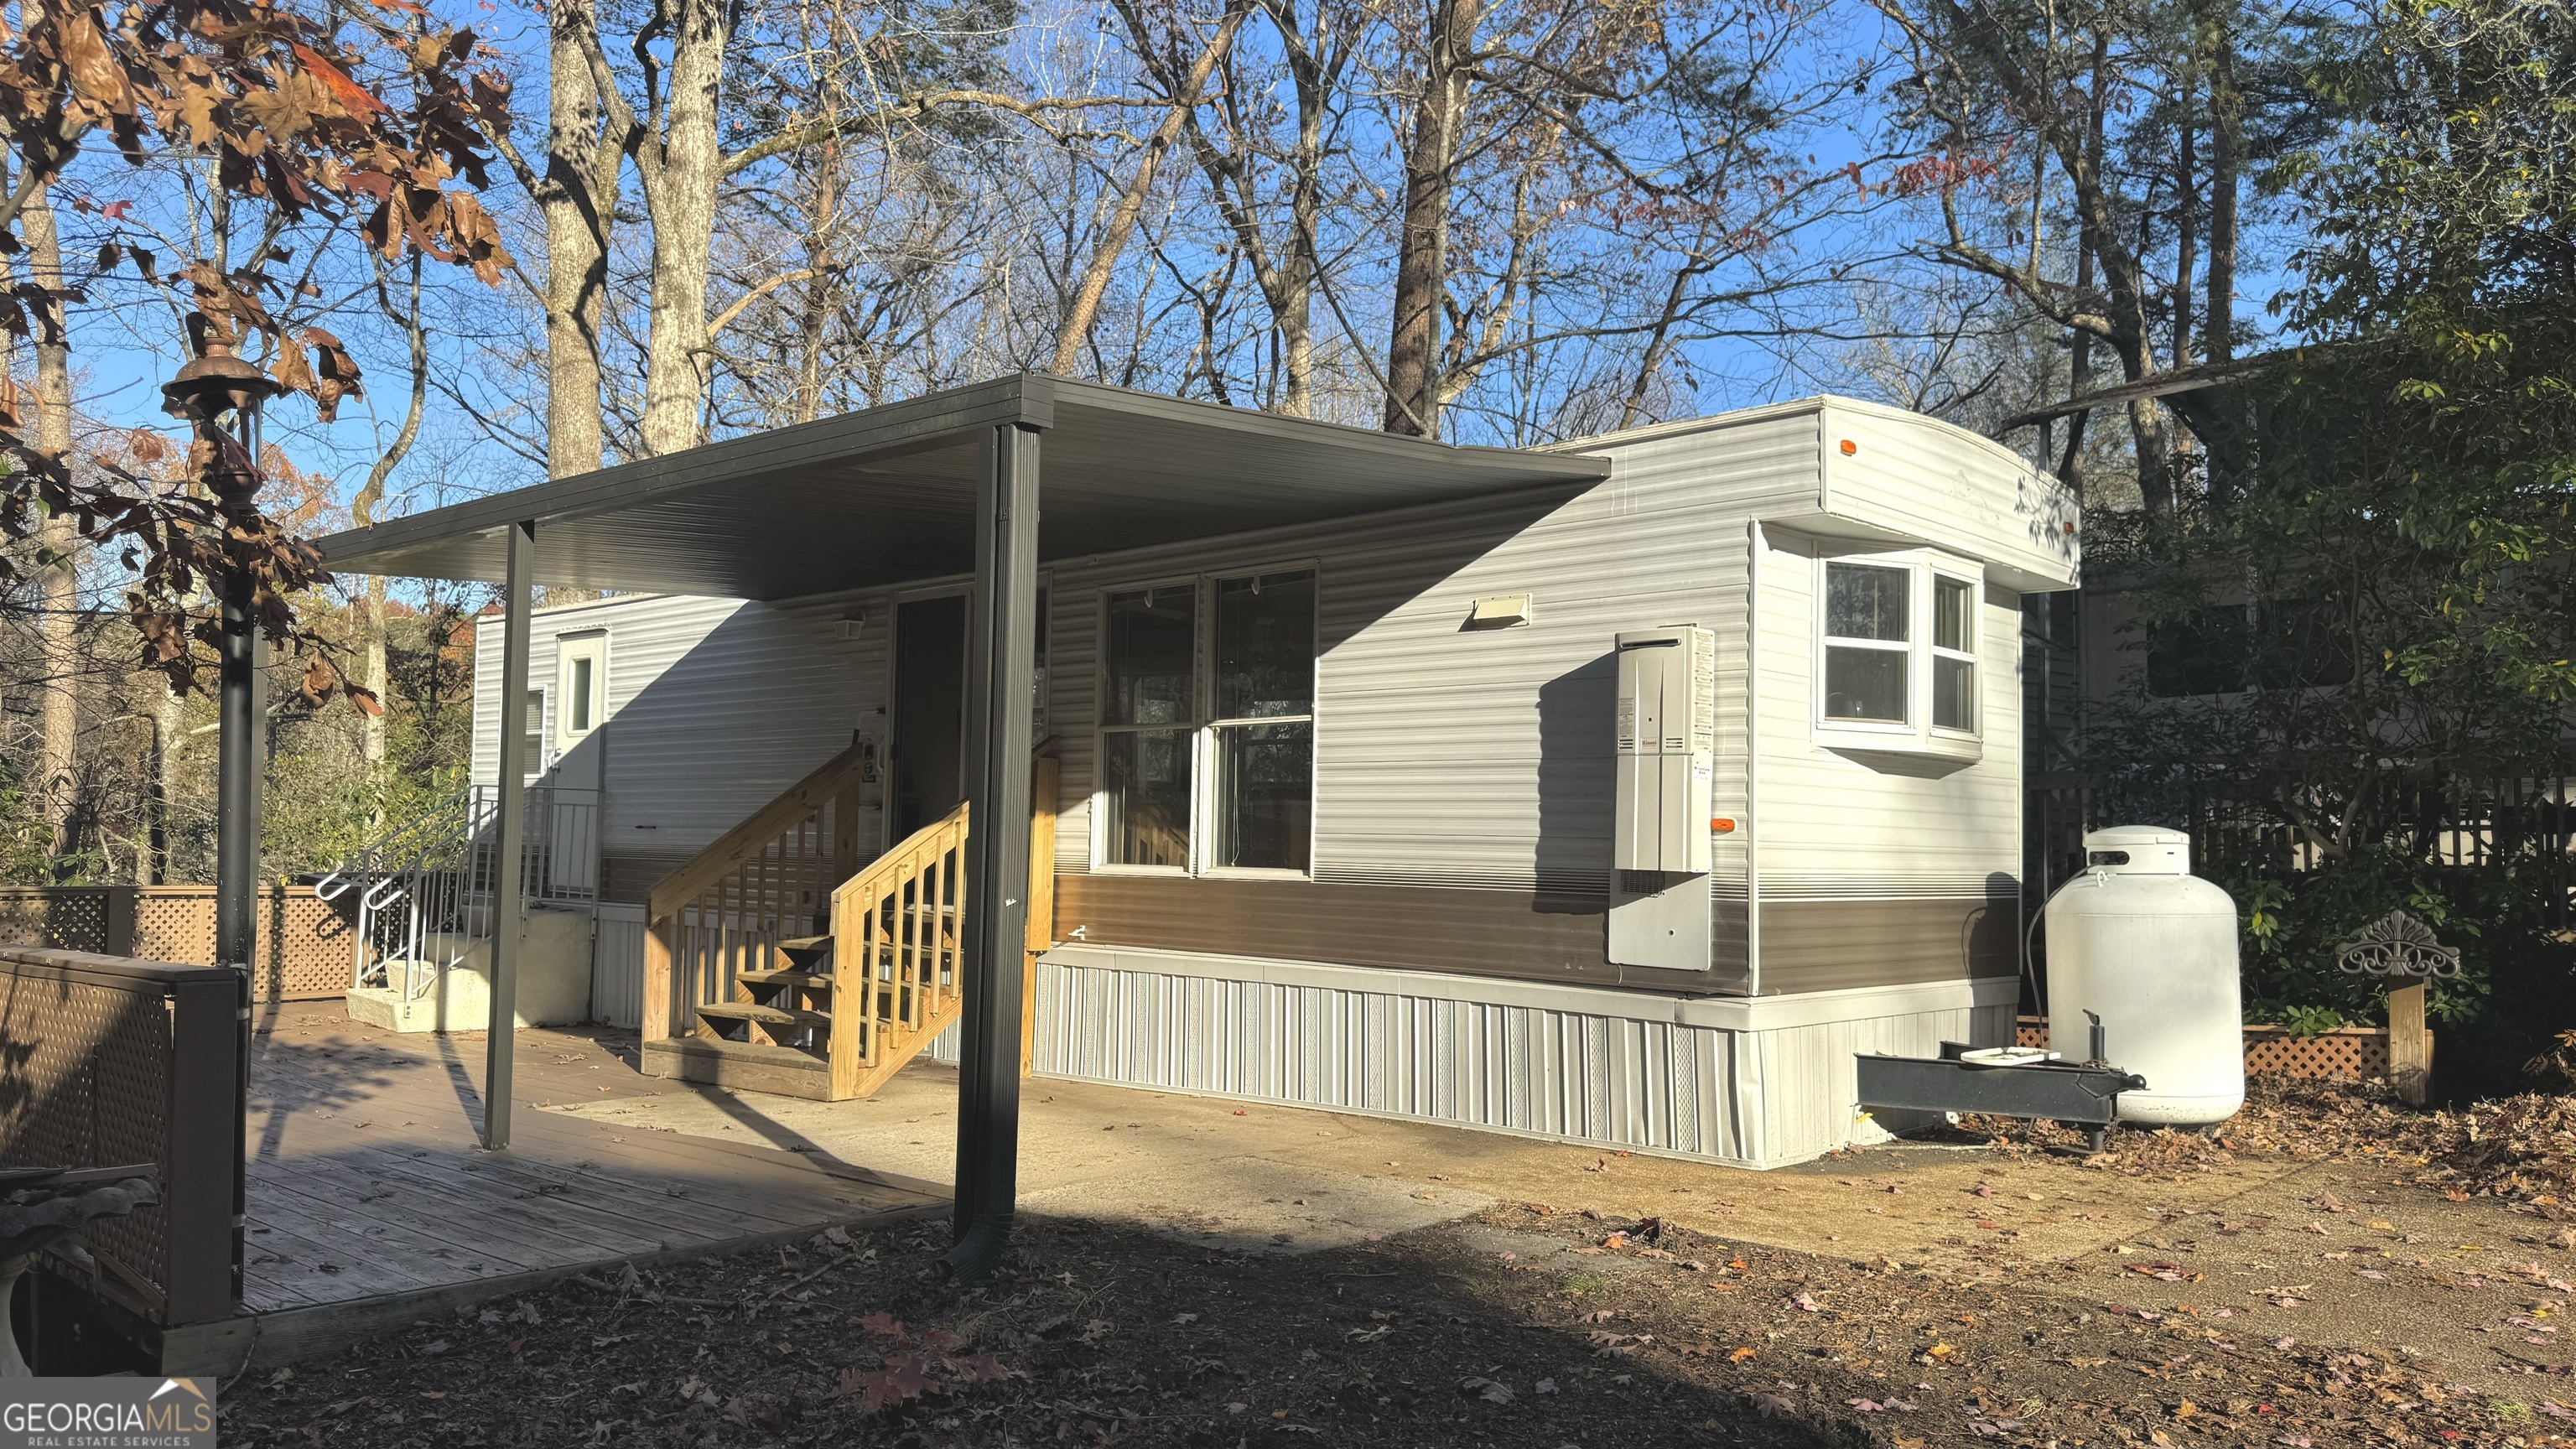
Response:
column 365, row 1156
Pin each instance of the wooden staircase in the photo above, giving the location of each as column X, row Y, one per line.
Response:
column 767, row 978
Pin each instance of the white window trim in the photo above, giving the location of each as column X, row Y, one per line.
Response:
column 592, row 646
column 1202, row 730
column 1934, row 650
column 538, row 762
column 1917, row 735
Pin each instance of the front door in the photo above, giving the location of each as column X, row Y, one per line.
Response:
column 929, row 711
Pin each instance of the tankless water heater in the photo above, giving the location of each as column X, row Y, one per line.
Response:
column 1667, row 750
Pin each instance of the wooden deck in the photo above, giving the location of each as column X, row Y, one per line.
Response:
column 372, row 1203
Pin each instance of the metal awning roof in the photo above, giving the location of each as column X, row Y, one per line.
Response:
column 888, row 495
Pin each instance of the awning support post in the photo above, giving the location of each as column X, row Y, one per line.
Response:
column 509, row 883
column 1002, row 648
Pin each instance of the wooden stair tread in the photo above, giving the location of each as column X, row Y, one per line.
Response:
column 786, row 976
column 762, row 1053
column 765, row 1015
column 806, row 943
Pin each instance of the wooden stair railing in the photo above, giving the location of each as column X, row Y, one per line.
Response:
column 779, row 986
column 897, row 958
column 713, row 929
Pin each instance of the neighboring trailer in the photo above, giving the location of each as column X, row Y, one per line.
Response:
column 1337, row 802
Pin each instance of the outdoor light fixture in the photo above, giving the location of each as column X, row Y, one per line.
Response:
column 214, row 389
column 210, row 388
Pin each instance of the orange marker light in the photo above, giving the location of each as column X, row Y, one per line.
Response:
column 1850, row 448
column 1722, row 825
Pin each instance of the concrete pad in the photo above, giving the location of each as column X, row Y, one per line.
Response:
column 1244, row 1177
column 1221, row 1170
column 553, row 981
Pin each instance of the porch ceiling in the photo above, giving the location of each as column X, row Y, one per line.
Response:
column 888, row 495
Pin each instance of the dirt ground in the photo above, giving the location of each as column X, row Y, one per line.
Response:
column 2324, row 1275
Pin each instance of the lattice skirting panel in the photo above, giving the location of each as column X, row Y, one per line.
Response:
column 306, row 947
column 2350, row 1051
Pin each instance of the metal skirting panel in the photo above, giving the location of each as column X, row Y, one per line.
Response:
column 1755, row 1098
column 947, row 1046
column 1810, row 1065
column 617, row 966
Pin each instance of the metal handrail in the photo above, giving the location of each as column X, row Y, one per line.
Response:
column 430, row 885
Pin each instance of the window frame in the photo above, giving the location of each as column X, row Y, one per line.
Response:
column 1919, row 734
column 1935, row 652
column 535, row 739
column 1908, row 647
column 1203, row 730
column 591, row 645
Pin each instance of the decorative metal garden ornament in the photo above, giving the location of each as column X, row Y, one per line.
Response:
column 2400, row 950
column 2397, row 944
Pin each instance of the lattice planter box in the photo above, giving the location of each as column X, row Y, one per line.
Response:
column 2348, row 1051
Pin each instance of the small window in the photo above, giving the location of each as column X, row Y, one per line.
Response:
column 581, row 688
column 1866, row 638
column 1954, row 654
column 532, row 741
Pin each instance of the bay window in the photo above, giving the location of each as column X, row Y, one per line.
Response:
column 1897, row 654
column 1207, row 724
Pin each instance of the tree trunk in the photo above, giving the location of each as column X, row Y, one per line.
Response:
column 362, row 506
column 168, row 719
column 1296, row 302
column 59, row 536
column 2079, row 368
column 1421, row 267
column 2186, row 235
column 2226, row 161
column 579, row 200
column 817, row 293
column 1085, row 312
column 373, row 674
column 683, row 176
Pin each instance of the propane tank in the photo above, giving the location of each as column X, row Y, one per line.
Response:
column 2151, row 949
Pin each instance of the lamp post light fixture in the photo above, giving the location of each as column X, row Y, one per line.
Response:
column 220, row 396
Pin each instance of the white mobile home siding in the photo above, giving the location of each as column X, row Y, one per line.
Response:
column 714, row 706
column 1479, row 760
column 1456, row 765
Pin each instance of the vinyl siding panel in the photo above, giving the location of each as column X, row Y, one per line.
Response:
column 1842, row 823
column 714, row 706
column 1453, row 758
column 1949, row 487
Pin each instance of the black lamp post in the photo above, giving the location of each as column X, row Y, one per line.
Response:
column 220, row 395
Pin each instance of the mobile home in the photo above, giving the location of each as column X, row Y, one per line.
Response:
column 1619, row 792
